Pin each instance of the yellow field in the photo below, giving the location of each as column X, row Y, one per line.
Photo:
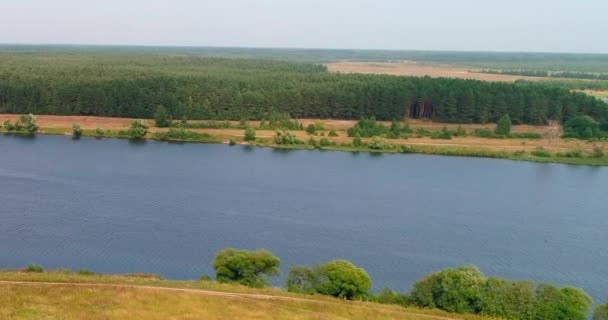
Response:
column 62, row 295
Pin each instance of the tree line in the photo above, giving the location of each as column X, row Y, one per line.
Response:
column 460, row 290
column 134, row 85
column 551, row 74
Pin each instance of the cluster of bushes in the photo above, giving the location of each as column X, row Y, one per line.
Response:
column 211, row 124
column 583, row 127
column 313, row 128
column 338, row 278
column 367, row 128
column 181, row 134
column 25, row 124
column 286, row 138
column 467, row 290
column 278, row 120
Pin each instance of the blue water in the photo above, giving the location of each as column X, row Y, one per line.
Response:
column 116, row 206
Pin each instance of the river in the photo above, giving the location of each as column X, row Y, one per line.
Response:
column 117, row 206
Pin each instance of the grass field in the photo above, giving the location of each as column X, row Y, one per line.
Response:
column 66, row 295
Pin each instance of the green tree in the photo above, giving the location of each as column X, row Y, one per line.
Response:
column 340, row 278
column 357, row 141
column 377, row 143
column 138, row 129
column 601, row 312
column 503, row 126
column 311, row 129
column 582, row 126
column 249, row 134
column 76, row 130
column 249, row 268
column 28, row 122
column 302, row 280
column 162, row 117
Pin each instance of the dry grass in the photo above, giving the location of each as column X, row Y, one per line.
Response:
column 409, row 68
column 88, row 301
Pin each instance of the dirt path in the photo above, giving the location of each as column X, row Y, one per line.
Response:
column 198, row 291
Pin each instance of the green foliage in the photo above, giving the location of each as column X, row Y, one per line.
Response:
column 324, row 142
column 26, row 123
column 104, row 83
column 76, row 130
column 34, row 268
column 181, row 134
column 583, row 127
column 232, row 142
column 368, row 127
column 357, row 141
column 280, row 120
column 286, row 137
column 86, row 272
column 601, row 312
column 377, row 143
column 211, row 124
column 398, row 130
column 138, row 129
column 99, row 132
column 205, row 277
column 162, row 117
column 467, row 290
column 503, row 126
column 249, row 268
column 390, row 296
column 302, row 280
column 332, row 133
column 443, row 134
column 541, row 152
column 249, row 134
column 340, row 278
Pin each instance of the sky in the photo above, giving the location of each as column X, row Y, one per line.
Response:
column 462, row 25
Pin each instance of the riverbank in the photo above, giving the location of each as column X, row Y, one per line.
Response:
column 73, row 295
column 543, row 149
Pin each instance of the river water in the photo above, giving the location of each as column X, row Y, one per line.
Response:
column 116, row 206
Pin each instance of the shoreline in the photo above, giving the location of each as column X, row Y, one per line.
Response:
column 471, row 151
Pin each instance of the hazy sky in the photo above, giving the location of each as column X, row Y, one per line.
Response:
column 488, row 25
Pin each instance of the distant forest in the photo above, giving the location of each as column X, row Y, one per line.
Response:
column 127, row 83
column 550, row 74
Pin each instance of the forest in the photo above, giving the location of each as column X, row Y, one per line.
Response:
column 125, row 83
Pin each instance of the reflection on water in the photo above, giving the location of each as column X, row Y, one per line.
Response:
column 122, row 206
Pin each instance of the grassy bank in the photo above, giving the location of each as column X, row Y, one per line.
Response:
column 573, row 156
column 69, row 295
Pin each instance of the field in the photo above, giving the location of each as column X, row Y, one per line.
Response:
column 411, row 68
column 66, row 295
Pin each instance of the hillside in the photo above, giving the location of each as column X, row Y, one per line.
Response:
column 67, row 295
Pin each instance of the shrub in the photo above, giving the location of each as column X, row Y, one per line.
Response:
column 324, row 142
column 76, row 130
column 311, row 129
column 368, row 127
column 162, row 118
column 232, row 142
column 286, row 137
column 484, row 133
column 181, row 134
column 582, row 127
column 302, row 280
column 278, row 120
column 138, row 129
column 443, row 134
column 573, row 154
column 205, row 277
column 8, row 125
column 99, row 132
column 249, row 134
column 540, row 152
column 377, row 143
column 598, row 152
column 601, row 312
column 86, row 272
column 340, row 278
column 249, row 268
column 29, row 123
column 503, row 126
column 357, row 142
column 460, row 132
column 34, row 268
column 332, row 133
column 390, row 296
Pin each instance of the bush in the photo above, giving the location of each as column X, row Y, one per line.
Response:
column 249, row 268
column 162, row 118
column 342, row 279
column 282, row 121
column 325, row 142
column 601, row 312
column 181, row 134
column 368, row 127
column 34, row 268
column 397, row 130
column 332, row 133
column 357, row 141
column 249, row 134
column 302, row 280
column 205, row 277
column 484, row 133
column 582, row 127
column 29, row 123
column 377, row 143
column 443, row 134
column 86, row 272
column 598, row 152
column 503, row 126
column 138, row 129
column 76, row 130
column 232, row 142
column 286, row 137
column 540, row 152
column 8, row 125
column 390, row 296
column 311, row 129
column 99, row 132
